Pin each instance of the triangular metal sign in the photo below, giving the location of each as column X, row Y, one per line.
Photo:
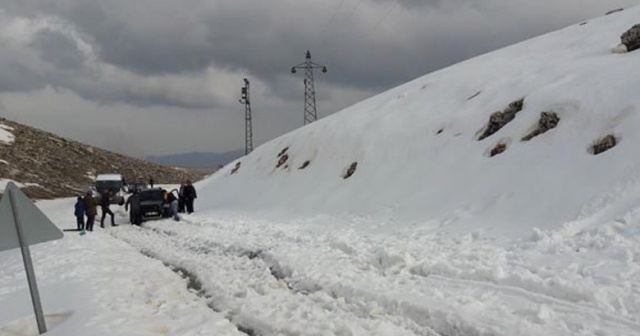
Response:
column 36, row 227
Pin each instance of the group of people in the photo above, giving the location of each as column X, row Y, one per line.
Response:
column 186, row 195
column 184, row 202
column 88, row 206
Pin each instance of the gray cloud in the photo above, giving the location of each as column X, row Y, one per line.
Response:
column 58, row 49
column 190, row 56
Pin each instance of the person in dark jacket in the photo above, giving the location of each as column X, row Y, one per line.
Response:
column 90, row 210
column 105, row 202
column 135, row 214
column 189, row 194
column 80, row 209
column 151, row 182
column 181, row 205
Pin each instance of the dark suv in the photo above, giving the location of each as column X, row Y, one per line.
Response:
column 151, row 204
column 136, row 186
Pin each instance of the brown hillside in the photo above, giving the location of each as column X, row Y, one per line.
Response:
column 60, row 167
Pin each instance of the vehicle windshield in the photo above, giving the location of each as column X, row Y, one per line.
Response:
column 151, row 195
column 115, row 186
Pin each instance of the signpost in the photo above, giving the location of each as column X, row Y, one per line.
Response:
column 23, row 224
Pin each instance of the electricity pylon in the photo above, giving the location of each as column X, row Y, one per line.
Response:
column 310, row 114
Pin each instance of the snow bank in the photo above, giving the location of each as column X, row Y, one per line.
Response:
column 5, row 135
column 4, row 182
column 418, row 155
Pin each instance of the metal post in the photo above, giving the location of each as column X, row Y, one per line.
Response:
column 28, row 266
column 248, row 128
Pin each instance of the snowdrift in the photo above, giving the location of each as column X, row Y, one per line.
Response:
column 422, row 152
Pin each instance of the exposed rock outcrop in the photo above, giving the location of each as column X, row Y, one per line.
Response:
column 350, row 170
column 547, row 121
column 498, row 149
column 631, row 38
column 614, row 11
column 500, row 119
column 604, row 144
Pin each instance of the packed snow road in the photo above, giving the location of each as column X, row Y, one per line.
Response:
column 321, row 277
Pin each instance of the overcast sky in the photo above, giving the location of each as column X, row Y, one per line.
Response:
column 144, row 77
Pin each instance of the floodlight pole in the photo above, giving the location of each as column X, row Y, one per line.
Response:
column 310, row 112
column 248, row 128
column 28, row 266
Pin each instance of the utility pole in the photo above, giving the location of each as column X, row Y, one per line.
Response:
column 248, row 129
column 310, row 114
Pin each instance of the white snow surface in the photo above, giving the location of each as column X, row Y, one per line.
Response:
column 4, row 182
column 5, row 135
column 109, row 177
column 430, row 236
column 97, row 285
column 322, row 277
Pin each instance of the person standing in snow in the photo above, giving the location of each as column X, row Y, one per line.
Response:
column 105, row 202
column 151, row 182
column 80, row 209
column 181, row 197
column 91, row 210
column 173, row 203
column 190, row 195
column 135, row 215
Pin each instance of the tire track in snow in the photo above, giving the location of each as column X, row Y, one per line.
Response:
column 195, row 286
column 251, row 293
column 533, row 309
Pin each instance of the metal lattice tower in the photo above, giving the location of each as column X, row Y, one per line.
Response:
column 248, row 128
column 310, row 113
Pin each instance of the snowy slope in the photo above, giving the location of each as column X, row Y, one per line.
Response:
column 409, row 170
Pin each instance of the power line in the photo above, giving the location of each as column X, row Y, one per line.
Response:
column 385, row 15
column 324, row 32
column 333, row 17
column 353, row 10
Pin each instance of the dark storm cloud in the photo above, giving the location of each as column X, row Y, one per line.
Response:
column 188, row 57
column 58, row 49
column 147, row 37
column 159, row 37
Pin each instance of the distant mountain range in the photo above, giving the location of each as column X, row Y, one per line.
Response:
column 196, row 159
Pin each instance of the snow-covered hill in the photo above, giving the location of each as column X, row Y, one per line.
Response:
column 418, row 152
